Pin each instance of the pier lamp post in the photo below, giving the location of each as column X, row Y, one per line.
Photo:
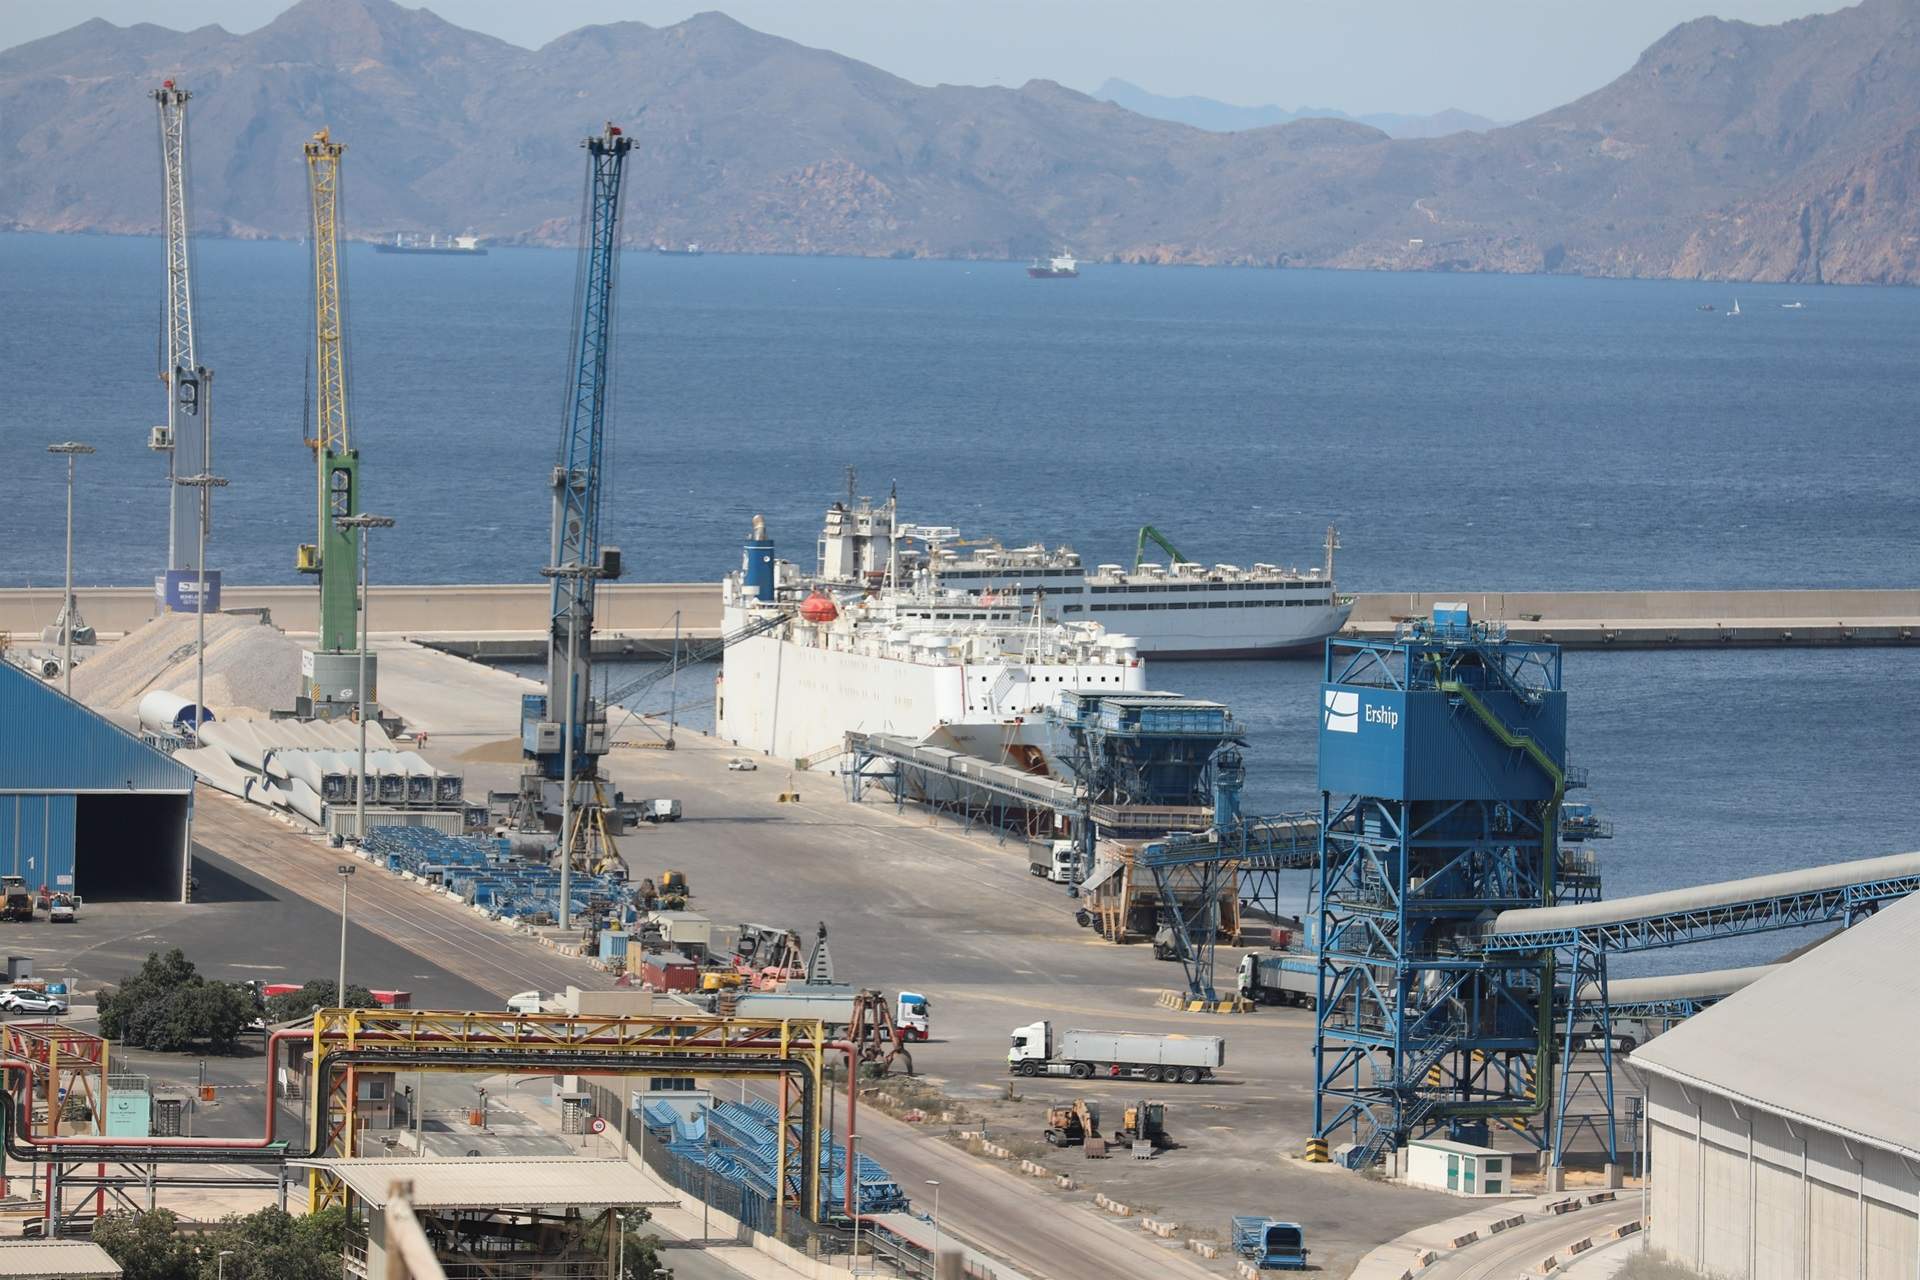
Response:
column 72, row 449
column 363, row 522
column 205, row 482
column 935, row 1184
column 345, row 870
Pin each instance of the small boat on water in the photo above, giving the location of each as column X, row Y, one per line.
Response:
column 1706, row 306
column 1059, row 267
column 1793, row 306
column 1735, row 309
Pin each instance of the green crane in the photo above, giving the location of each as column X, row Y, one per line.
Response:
column 1149, row 533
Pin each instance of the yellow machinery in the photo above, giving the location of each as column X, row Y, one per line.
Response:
column 345, row 1040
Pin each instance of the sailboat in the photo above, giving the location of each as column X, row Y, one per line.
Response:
column 1736, row 308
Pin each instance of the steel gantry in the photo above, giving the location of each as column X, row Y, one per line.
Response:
column 345, row 1041
column 1442, row 769
column 184, row 438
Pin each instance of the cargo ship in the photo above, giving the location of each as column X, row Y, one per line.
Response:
column 1180, row 610
column 899, row 657
column 410, row 242
column 1059, row 267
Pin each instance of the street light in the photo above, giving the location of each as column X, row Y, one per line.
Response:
column 205, row 482
column 362, row 522
column 72, row 449
column 935, row 1184
column 853, row 1194
column 346, row 870
column 620, row 1272
column 220, row 1264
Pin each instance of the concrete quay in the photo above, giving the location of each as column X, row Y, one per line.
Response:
column 1669, row 619
column 507, row 621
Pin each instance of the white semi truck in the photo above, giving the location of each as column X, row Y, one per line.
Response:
column 1281, row 977
column 1114, row 1055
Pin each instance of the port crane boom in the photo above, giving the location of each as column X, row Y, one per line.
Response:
column 564, row 732
column 184, row 437
column 330, row 684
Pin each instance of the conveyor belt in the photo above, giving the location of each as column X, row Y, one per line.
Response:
column 1784, row 900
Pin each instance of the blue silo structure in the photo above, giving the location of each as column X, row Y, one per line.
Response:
column 756, row 563
column 1442, row 772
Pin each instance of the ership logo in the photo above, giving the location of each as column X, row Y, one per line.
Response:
column 1342, row 712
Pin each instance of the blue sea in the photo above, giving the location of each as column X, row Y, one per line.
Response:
column 1471, row 432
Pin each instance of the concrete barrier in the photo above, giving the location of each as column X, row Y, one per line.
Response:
column 1461, row 1242
column 1205, row 1248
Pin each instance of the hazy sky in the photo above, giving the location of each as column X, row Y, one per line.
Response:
column 1502, row 58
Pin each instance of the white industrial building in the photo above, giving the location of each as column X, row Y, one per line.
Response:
column 1784, row 1122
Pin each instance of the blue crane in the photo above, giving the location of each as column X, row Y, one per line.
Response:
column 564, row 731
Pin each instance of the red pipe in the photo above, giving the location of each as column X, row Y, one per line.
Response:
column 101, row 1140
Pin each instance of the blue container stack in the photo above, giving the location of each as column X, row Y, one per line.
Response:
column 483, row 873
column 743, row 1143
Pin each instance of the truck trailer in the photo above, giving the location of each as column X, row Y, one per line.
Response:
column 1280, row 977
column 1114, row 1055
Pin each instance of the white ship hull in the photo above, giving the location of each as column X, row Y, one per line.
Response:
column 1183, row 634
column 793, row 700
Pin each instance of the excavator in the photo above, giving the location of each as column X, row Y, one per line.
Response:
column 1073, row 1126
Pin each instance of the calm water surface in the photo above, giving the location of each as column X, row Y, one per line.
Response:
column 1478, row 432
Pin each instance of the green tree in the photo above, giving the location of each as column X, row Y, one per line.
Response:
column 275, row 1245
column 642, row 1246
column 168, row 1006
column 316, row 994
column 147, row 1246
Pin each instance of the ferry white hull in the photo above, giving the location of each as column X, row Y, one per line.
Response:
column 793, row 700
column 1198, row 634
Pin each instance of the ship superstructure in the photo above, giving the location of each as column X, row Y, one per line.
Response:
column 906, row 658
column 1179, row 610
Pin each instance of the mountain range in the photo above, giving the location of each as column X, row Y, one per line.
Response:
column 1227, row 117
column 1729, row 150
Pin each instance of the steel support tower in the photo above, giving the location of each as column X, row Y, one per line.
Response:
column 184, row 437
column 330, row 682
column 1442, row 772
column 564, row 731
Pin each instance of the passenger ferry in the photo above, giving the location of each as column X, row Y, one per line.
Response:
column 1181, row 610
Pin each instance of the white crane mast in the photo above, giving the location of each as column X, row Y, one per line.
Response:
column 183, row 439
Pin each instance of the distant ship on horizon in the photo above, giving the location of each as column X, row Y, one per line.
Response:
column 414, row 242
column 692, row 250
column 1059, row 267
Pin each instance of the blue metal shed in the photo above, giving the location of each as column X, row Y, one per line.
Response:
column 85, row 806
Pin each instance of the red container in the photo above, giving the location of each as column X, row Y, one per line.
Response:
column 1281, row 938
column 670, row 971
column 393, row 999
column 272, row 989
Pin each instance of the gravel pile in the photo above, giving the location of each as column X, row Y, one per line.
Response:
column 250, row 665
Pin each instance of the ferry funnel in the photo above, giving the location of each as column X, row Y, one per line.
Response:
column 756, row 563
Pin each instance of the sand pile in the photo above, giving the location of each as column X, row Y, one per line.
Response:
column 250, row 664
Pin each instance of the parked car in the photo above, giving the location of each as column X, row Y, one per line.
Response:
column 64, row 909
column 741, row 764
column 17, row 1001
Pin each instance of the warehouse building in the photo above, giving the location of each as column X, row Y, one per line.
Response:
column 85, row 806
column 1784, row 1122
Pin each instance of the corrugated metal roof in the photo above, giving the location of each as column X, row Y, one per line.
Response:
column 56, row 1260
column 1820, row 1038
column 50, row 743
column 527, row 1182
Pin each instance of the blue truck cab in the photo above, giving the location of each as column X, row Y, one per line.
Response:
column 1272, row 1245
